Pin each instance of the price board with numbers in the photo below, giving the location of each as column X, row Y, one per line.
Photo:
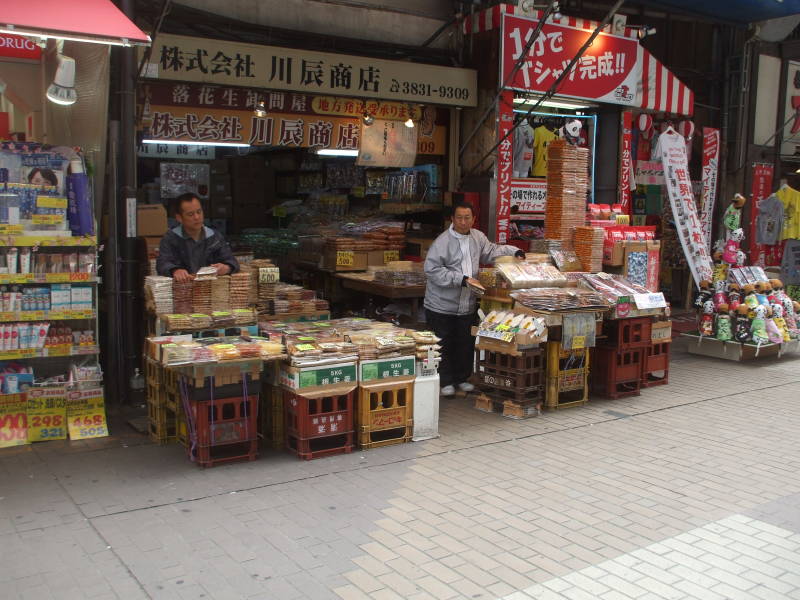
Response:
column 345, row 258
column 269, row 275
column 13, row 420
column 47, row 414
column 390, row 255
column 86, row 414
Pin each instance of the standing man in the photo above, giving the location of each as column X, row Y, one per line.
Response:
column 450, row 306
column 191, row 245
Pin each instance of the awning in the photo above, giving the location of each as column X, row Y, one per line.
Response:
column 96, row 21
column 657, row 89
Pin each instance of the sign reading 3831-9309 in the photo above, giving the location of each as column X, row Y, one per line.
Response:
column 182, row 58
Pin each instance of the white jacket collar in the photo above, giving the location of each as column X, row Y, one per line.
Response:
column 455, row 234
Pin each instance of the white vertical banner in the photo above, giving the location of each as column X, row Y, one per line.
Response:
column 711, row 148
column 672, row 148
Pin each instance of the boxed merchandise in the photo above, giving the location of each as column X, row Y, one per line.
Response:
column 81, row 297
column 61, row 296
column 642, row 263
column 341, row 378
column 151, row 220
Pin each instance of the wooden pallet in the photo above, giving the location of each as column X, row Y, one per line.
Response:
column 507, row 408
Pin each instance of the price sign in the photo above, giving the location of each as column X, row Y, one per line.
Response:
column 279, row 211
column 390, row 255
column 13, row 420
column 59, row 350
column 47, row 219
column 269, row 275
column 47, row 414
column 305, row 347
column 78, row 276
column 645, row 301
column 11, row 229
column 50, row 202
column 623, row 219
column 344, row 258
column 86, row 414
column 578, row 342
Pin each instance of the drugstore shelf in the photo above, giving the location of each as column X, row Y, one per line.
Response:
column 50, row 352
column 46, row 315
column 6, row 279
column 47, row 241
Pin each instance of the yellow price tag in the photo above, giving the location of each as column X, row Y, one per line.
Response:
column 344, row 258
column 13, row 420
column 305, row 347
column 11, row 229
column 86, row 414
column 47, row 219
column 279, row 211
column 50, row 202
column 623, row 219
column 59, row 350
column 390, row 255
column 47, row 414
column 578, row 342
column 502, row 328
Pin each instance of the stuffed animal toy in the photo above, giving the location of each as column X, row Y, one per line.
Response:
column 720, row 295
column 704, row 294
column 773, row 331
column 796, row 307
column 777, row 291
column 750, row 298
column 706, row 323
column 780, row 322
column 723, row 329
column 758, row 326
column 788, row 314
column 733, row 214
column 741, row 324
column 729, row 254
column 734, row 296
column 763, row 289
column 741, row 259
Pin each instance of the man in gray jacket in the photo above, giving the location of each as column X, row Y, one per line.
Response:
column 450, row 306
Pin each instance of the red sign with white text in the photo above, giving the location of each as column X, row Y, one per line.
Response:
column 504, row 163
column 626, row 162
column 609, row 70
column 711, row 148
column 17, row 46
column 762, row 188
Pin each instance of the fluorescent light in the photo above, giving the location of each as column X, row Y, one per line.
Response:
column 69, row 38
column 409, row 123
column 553, row 103
column 335, row 152
column 62, row 90
column 193, row 143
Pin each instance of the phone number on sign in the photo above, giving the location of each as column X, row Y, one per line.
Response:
column 413, row 88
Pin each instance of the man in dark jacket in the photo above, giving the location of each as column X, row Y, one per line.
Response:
column 191, row 245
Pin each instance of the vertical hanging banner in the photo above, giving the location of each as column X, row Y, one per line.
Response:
column 762, row 184
column 626, row 162
column 711, row 147
column 505, row 121
column 672, row 148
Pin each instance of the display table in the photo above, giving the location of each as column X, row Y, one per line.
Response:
column 358, row 282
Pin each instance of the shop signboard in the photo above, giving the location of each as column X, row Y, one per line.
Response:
column 529, row 195
column 711, row 148
column 387, row 144
column 19, row 47
column 505, row 121
column 790, row 145
column 370, row 370
column 762, row 188
column 609, row 71
column 626, row 162
column 180, row 151
column 181, row 58
column 679, row 187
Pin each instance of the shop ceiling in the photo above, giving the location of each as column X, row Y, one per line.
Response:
column 741, row 12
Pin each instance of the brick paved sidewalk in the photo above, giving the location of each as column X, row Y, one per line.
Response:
column 691, row 490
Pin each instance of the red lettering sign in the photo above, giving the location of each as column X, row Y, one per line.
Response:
column 17, row 46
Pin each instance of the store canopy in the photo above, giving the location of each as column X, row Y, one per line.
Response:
column 740, row 12
column 96, row 21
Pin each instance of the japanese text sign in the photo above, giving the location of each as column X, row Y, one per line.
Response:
column 47, row 414
column 183, row 58
column 626, row 162
column 791, row 130
column 762, row 188
column 609, row 70
column 388, row 144
column 529, row 195
column 13, row 420
column 711, row 148
column 86, row 414
column 505, row 116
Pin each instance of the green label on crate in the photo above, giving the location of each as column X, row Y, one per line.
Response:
column 308, row 379
column 383, row 369
column 328, row 376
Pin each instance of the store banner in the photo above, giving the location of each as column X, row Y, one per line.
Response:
column 504, row 166
column 626, row 185
column 761, row 189
column 19, row 47
column 708, row 196
column 181, row 58
column 679, row 188
column 529, row 195
column 181, row 151
column 387, row 144
column 609, row 71
column 790, row 145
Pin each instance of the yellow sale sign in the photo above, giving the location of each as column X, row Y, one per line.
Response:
column 86, row 414
column 47, row 414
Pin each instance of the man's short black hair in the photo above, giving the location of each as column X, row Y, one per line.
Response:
column 178, row 202
column 463, row 204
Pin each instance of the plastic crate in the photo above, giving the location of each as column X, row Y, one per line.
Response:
column 154, row 372
column 224, row 421
column 162, row 424
column 656, row 360
column 617, row 373
column 211, row 456
column 628, row 333
column 271, row 423
column 567, row 377
column 308, row 418
column 385, row 413
column 309, row 449
column 523, row 373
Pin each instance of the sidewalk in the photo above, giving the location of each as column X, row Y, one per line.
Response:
column 691, row 490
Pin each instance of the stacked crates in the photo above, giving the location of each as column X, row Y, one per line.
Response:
column 385, row 412
column 320, row 425
column 619, row 361
column 655, row 370
column 567, row 376
column 162, row 418
column 514, row 383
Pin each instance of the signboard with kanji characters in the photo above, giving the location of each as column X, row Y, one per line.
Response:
column 505, row 121
column 609, row 70
column 183, row 58
column 529, row 195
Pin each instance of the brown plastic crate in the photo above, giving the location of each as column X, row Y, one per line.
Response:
column 617, row 373
column 656, row 360
column 628, row 333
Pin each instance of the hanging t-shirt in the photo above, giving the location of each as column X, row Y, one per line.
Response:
column 769, row 222
column 523, row 150
column 542, row 136
column 790, row 198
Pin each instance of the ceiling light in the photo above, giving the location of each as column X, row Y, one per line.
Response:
column 193, row 143
column 261, row 109
column 368, row 118
column 335, row 152
column 554, row 103
column 409, row 122
column 62, row 90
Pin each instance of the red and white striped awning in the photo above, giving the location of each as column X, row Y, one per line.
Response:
column 659, row 91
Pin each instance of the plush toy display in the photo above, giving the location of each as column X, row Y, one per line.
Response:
column 763, row 288
column 750, row 299
column 773, row 331
column 734, row 296
column 777, row 291
column 741, row 326
column 723, row 329
column 780, row 322
column 703, row 294
column 730, row 252
column 733, row 214
column 706, row 324
column 758, row 326
column 788, row 314
column 720, row 293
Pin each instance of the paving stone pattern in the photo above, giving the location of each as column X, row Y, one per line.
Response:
column 691, row 490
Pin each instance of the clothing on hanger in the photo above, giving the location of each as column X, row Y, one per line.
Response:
column 769, row 222
column 522, row 152
column 790, row 198
column 542, row 136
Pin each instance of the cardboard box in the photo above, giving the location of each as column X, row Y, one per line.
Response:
column 346, row 260
column 650, row 248
column 151, row 220
column 319, row 381
column 60, row 296
column 81, row 297
column 152, row 243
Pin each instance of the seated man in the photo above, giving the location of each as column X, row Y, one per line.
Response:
column 191, row 245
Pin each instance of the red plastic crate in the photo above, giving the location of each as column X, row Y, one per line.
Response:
column 656, row 360
column 617, row 373
column 308, row 418
column 524, row 373
column 224, row 421
column 628, row 333
column 309, row 449
column 210, row 456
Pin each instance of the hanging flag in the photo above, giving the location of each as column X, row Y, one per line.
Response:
column 711, row 146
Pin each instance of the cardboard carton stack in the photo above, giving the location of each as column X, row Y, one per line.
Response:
column 567, row 187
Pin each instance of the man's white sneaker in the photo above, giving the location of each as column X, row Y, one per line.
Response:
column 448, row 390
column 466, row 387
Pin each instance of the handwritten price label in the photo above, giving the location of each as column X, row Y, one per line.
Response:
column 86, row 414
column 269, row 275
column 578, row 342
column 344, row 258
column 390, row 255
column 47, row 219
column 13, row 420
column 11, row 229
column 47, row 414
column 50, row 202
